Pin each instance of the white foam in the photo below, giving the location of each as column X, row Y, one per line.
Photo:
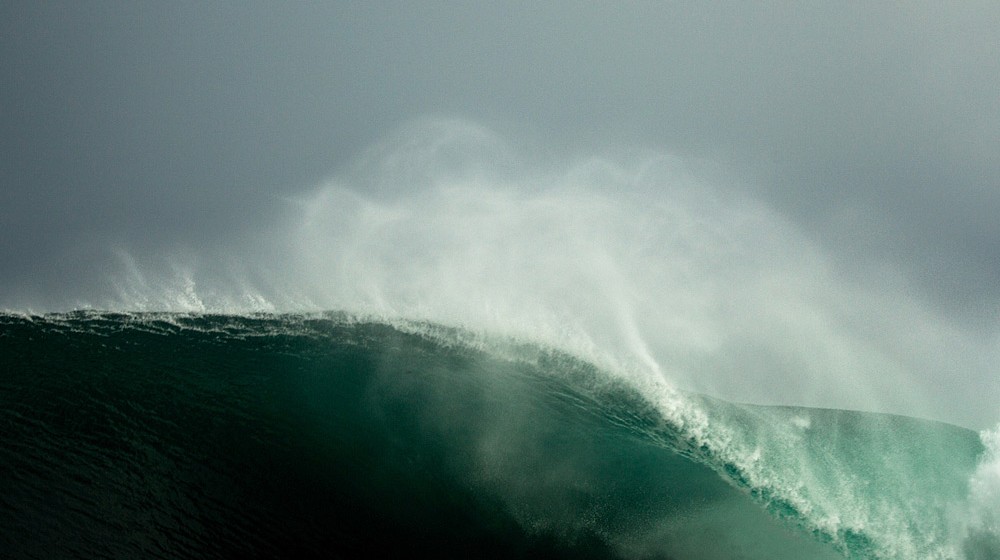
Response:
column 982, row 524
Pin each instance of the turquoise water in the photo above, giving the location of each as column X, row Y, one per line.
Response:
column 211, row 436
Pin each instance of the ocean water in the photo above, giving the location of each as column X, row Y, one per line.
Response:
column 146, row 435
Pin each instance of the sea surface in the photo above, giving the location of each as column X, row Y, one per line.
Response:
column 147, row 435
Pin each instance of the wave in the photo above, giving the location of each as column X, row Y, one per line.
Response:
column 195, row 435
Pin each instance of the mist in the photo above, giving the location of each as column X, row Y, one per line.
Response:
column 640, row 260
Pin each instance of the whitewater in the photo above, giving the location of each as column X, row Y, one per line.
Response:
column 456, row 348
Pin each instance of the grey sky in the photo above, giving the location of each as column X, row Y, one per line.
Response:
column 871, row 127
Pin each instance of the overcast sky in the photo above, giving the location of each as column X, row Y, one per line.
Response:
column 871, row 128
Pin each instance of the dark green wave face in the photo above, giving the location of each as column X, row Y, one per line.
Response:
column 175, row 436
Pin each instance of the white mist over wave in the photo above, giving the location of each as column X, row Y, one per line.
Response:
column 644, row 257
column 652, row 266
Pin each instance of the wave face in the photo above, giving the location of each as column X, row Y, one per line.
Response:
column 201, row 436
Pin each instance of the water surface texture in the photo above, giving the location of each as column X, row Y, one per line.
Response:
column 191, row 435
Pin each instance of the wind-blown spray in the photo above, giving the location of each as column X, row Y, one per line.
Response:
column 662, row 279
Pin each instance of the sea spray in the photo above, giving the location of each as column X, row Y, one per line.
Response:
column 649, row 271
column 638, row 254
